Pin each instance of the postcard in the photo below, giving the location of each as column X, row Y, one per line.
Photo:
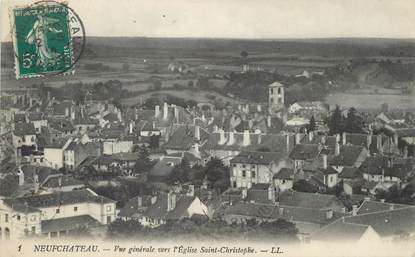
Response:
column 207, row 128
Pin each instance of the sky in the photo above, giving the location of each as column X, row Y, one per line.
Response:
column 263, row 19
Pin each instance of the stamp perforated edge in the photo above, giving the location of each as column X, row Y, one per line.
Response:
column 69, row 72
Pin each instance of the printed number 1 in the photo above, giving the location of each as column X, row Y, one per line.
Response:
column 19, row 247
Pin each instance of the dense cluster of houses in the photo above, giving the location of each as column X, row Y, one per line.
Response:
column 47, row 143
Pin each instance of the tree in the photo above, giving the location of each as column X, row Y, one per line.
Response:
column 154, row 141
column 353, row 123
column 312, row 124
column 304, row 186
column 217, row 175
column 125, row 67
column 180, row 173
column 335, row 122
column 143, row 163
column 124, row 228
column 244, row 54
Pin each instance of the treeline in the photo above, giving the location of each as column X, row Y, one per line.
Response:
column 201, row 228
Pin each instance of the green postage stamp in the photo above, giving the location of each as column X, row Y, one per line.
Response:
column 42, row 40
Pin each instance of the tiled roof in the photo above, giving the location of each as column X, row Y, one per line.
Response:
column 184, row 137
column 159, row 209
column 271, row 142
column 285, row 174
column 59, row 198
column 22, row 129
column 65, row 181
column 132, row 208
column 348, row 155
column 164, row 166
column 349, row 173
column 387, row 223
column 306, row 200
column 305, row 152
column 373, row 206
column 264, row 158
column 69, row 223
column 340, row 231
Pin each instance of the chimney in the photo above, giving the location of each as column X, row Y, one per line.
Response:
column 244, row 193
column 231, row 140
column 281, row 211
column 31, row 102
column 288, row 142
column 338, row 138
column 21, row 176
column 246, row 138
column 395, row 139
column 336, row 149
column 271, row 193
column 382, row 200
column 48, row 95
column 66, row 112
column 171, row 201
column 344, row 138
column 139, row 201
column 156, row 111
column 247, row 108
column 259, row 139
column 250, row 124
column 176, row 113
column 379, row 142
column 310, row 136
column 259, row 108
column 191, row 190
column 323, row 139
column 369, row 141
column 131, row 126
column 324, row 157
column 215, row 128
column 391, row 207
column 153, row 199
column 222, row 138
column 329, row 214
column 354, row 210
column 405, row 152
column 203, row 118
column 297, row 138
column 239, row 107
column 165, row 111
column 72, row 113
column 197, row 132
column 60, row 181
column 343, row 210
column 269, row 123
column 196, row 147
column 36, row 182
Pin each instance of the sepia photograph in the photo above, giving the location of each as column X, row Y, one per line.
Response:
column 207, row 128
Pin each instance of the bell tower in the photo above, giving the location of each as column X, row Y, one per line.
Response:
column 275, row 97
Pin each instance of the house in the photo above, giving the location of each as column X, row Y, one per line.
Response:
column 172, row 206
column 38, row 119
column 349, row 156
column 163, row 168
column 250, row 168
column 226, row 145
column 310, row 200
column 313, row 107
column 383, row 169
column 136, row 206
column 56, row 214
column 307, row 220
column 341, row 231
column 305, row 156
column 186, row 138
column 284, row 179
column 76, row 152
column 54, row 153
column 391, row 224
column 24, row 134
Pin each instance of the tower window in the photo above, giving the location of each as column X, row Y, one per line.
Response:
column 279, row 90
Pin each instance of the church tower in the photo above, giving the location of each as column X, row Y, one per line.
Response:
column 275, row 97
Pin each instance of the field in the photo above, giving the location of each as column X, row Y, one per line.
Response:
column 372, row 101
column 148, row 59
